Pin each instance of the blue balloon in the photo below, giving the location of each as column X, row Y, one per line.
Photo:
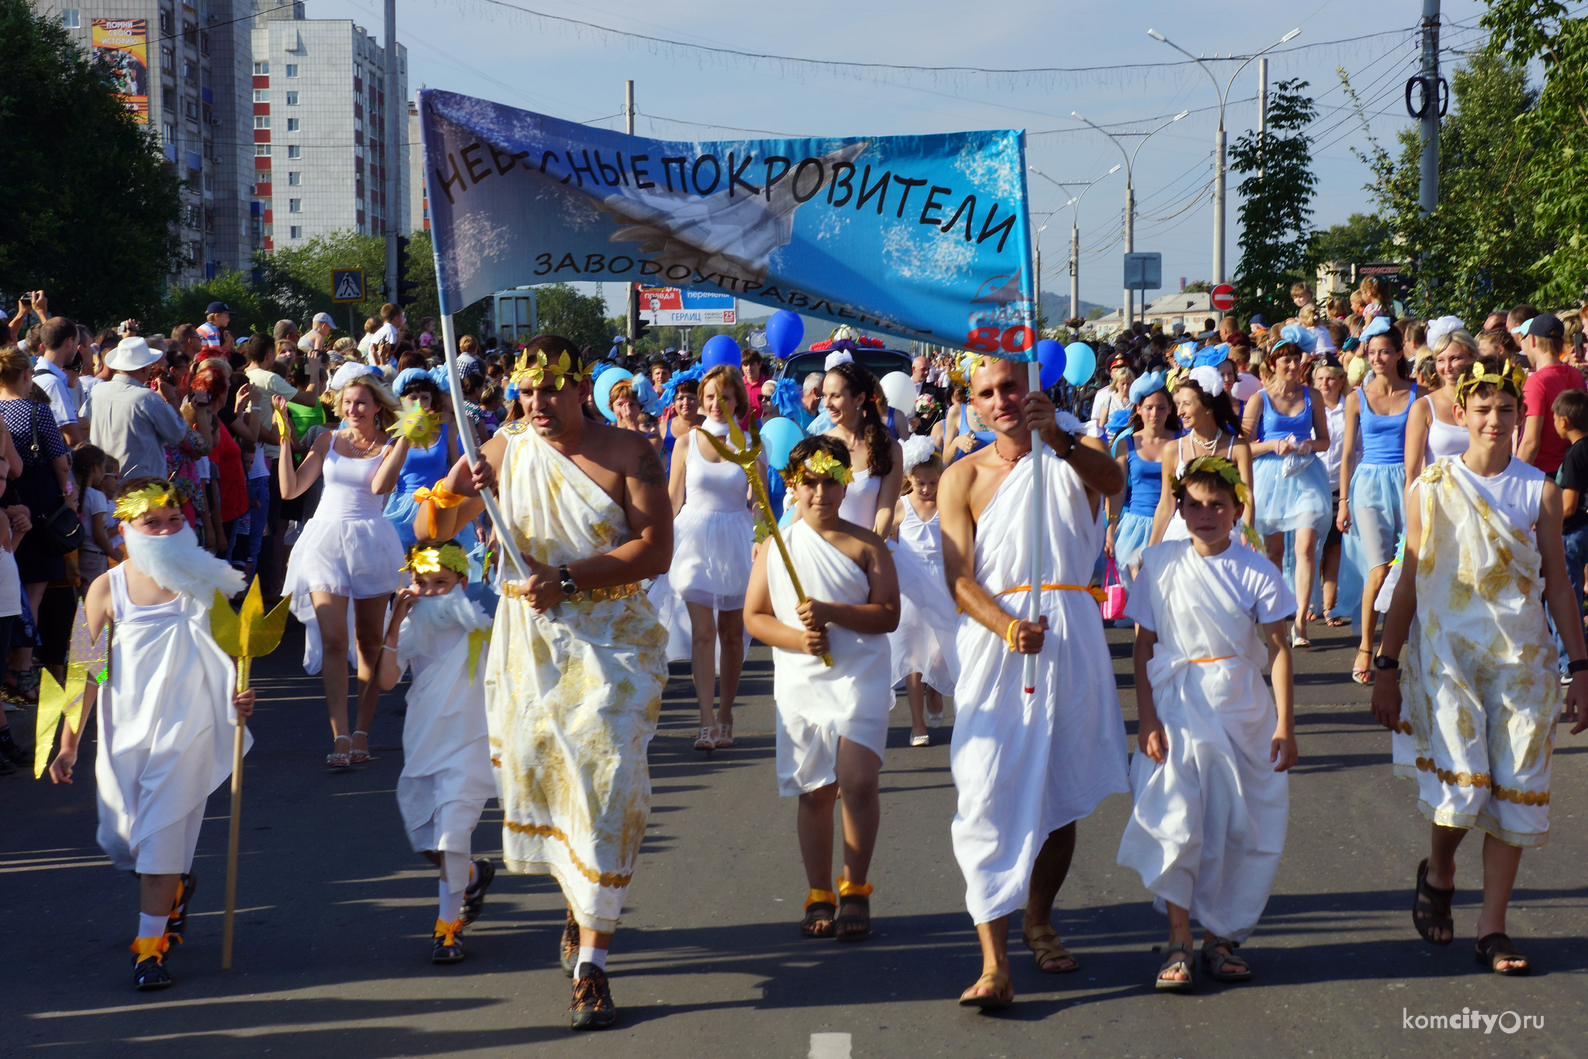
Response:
column 720, row 350
column 1079, row 363
column 603, row 390
column 1051, row 356
column 646, row 394
column 778, row 438
column 784, row 331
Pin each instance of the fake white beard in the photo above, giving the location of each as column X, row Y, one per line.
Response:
column 176, row 563
column 433, row 615
column 711, row 426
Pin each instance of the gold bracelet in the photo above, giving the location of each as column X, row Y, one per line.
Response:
column 1009, row 633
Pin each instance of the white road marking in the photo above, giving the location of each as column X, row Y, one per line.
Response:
column 829, row 1046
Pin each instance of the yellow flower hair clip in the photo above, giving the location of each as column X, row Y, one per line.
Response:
column 824, row 464
column 420, row 426
column 429, row 559
column 544, row 369
column 1218, row 465
column 139, row 501
column 1476, row 376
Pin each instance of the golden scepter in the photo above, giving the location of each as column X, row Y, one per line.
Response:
column 746, row 457
column 245, row 636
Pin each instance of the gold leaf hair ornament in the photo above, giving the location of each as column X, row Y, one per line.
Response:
column 1218, row 465
column 1513, row 377
column 429, row 559
column 544, row 368
column 149, row 497
column 824, row 464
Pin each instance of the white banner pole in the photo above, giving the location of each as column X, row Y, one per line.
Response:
column 504, row 536
column 1037, row 538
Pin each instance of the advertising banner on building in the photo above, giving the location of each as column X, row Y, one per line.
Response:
column 672, row 307
column 922, row 237
column 121, row 46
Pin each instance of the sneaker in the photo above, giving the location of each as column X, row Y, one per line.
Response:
column 591, row 1007
column 175, row 926
column 447, row 944
column 474, row 894
column 570, row 945
column 15, row 754
column 148, row 969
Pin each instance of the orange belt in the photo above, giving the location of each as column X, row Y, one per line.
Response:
column 1220, row 658
column 1091, row 590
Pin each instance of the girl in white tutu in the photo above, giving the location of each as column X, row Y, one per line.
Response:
column 849, row 393
column 920, row 533
column 1372, row 491
column 1153, row 428
column 1287, row 424
column 713, row 533
column 347, row 551
column 1211, row 428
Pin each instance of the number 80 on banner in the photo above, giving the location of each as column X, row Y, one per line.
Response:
column 1015, row 339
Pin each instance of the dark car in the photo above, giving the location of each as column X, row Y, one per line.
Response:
column 879, row 362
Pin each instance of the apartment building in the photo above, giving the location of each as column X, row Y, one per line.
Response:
column 183, row 67
column 418, row 194
column 320, row 144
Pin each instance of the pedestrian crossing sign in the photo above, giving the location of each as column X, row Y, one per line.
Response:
column 347, row 285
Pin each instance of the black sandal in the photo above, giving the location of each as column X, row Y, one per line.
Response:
column 848, row 921
column 820, row 908
column 1217, row 963
column 1431, row 908
column 1492, row 948
column 1183, row 959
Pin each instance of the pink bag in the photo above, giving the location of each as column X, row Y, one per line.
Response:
column 1114, row 595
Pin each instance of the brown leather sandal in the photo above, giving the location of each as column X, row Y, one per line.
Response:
column 1044, row 943
column 1000, row 992
column 820, row 908
column 1431, row 908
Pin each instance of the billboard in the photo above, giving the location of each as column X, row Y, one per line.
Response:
column 121, row 48
column 673, row 307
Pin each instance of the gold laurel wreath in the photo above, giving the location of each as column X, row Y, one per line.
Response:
column 825, row 464
column 139, row 501
column 558, row 371
column 1220, row 466
column 1513, row 376
column 427, row 559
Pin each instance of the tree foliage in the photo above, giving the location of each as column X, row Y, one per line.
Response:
column 580, row 318
column 1276, row 203
column 1483, row 247
column 1363, row 237
column 89, row 204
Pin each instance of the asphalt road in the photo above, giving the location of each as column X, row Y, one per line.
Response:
column 333, row 934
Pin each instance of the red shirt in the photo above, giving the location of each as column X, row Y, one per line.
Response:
column 1538, row 399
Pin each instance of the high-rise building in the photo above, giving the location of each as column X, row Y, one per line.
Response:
column 183, row 65
column 320, row 142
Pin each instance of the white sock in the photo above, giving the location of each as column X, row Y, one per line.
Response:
column 451, row 903
column 455, row 870
column 150, row 926
column 591, row 954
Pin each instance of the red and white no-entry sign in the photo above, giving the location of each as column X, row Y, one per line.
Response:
column 1224, row 297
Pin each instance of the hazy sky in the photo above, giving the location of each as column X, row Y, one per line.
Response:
column 494, row 49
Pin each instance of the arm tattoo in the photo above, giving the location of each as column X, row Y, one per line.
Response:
column 650, row 469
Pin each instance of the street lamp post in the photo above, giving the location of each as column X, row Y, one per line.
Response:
column 1075, row 231
column 1127, row 310
column 1219, row 139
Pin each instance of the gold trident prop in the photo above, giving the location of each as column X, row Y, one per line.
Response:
column 245, row 636
column 746, row 456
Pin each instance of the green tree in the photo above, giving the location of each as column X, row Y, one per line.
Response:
column 1276, row 203
column 580, row 318
column 89, row 207
column 1485, row 246
column 252, row 310
column 1363, row 237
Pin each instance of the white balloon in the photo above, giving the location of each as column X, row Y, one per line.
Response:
column 899, row 389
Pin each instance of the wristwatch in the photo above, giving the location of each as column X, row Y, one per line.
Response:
column 565, row 580
column 1386, row 662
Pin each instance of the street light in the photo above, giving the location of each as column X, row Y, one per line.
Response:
column 1219, row 139
column 1036, row 240
column 1128, row 309
column 1075, row 231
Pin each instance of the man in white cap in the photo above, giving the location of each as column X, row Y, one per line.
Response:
column 319, row 333
column 130, row 421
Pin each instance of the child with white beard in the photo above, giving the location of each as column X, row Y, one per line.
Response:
column 168, row 708
column 447, row 770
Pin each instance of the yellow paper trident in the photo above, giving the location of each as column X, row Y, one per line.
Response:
column 55, row 702
column 245, row 636
column 746, row 456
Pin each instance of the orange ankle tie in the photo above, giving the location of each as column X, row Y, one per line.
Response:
column 821, row 895
column 849, row 889
column 146, row 947
column 448, row 930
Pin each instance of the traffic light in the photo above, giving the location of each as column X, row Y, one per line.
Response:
column 640, row 328
column 403, row 291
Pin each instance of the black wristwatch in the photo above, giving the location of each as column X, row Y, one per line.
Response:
column 565, row 581
column 1386, row 662
column 1579, row 666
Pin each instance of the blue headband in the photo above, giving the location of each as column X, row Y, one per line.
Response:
column 1300, row 337
column 1376, row 326
column 1211, row 357
column 1150, row 383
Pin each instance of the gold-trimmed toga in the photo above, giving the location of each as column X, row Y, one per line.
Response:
column 572, row 695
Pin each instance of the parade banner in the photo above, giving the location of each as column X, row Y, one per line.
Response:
column 121, row 47
column 922, row 237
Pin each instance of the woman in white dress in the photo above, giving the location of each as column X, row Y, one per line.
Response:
column 713, row 533
column 347, row 551
column 1211, row 429
column 1431, row 429
column 1115, row 396
column 1329, row 382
